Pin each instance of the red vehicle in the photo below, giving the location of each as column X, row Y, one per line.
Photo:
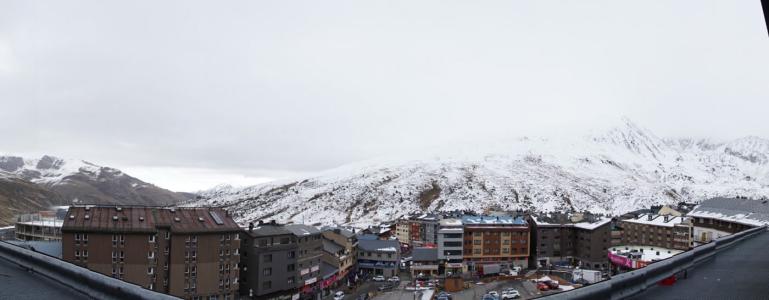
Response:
column 552, row 284
column 542, row 286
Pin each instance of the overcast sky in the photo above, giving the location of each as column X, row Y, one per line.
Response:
column 189, row 94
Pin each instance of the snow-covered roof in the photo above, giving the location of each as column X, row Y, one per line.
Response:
column 582, row 225
column 737, row 210
column 656, row 220
column 592, row 225
column 48, row 223
column 451, row 222
column 302, row 230
column 489, row 220
column 379, row 245
column 648, row 253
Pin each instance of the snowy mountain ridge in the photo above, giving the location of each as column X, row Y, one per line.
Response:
column 614, row 171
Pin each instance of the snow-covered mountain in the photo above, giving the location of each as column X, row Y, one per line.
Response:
column 613, row 171
column 29, row 184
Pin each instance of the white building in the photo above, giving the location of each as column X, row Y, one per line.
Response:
column 717, row 217
column 450, row 239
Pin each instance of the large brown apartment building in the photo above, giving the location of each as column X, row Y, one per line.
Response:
column 666, row 231
column 494, row 240
column 190, row 253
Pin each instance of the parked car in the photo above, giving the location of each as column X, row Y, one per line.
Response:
column 552, row 284
column 542, row 286
column 339, row 295
column 394, row 279
column 488, row 297
column 385, row 287
column 443, row 296
column 378, row 278
column 495, row 294
column 510, row 294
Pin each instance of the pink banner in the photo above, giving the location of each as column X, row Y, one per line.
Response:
column 621, row 260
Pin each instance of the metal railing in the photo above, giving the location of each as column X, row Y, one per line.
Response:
column 628, row 284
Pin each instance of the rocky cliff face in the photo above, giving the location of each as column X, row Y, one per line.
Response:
column 33, row 184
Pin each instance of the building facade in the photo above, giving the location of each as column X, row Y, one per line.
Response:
column 717, row 217
column 342, row 246
column 269, row 263
column 310, row 250
column 501, row 240
column 378, row 257
column 185, row 252
column 403, row 231
column 576, row 240
column 655, row 230
column 450, row 245
column 40, row 226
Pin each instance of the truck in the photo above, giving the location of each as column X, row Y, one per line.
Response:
column 489, row 269
column 589, row 276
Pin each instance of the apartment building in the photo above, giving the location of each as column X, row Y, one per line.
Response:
column 717, row 217
column 403, row 231
column 571, row 239
column 497, row 240
column 310, row 250
column 186, row 252
column 269, row 263
column 340, row 249
column 656, row 230
column 450, row 241
column 378, row 257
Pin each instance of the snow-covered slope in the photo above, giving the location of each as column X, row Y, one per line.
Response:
column 614, row 171
column 78, row 181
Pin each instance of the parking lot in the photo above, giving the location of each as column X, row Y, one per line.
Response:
column 526, row 288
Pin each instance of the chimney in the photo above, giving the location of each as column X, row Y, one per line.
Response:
column 649, row 217
column 667, row 218
column 250, row 226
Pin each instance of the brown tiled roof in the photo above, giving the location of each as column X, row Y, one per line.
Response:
column 147, row 219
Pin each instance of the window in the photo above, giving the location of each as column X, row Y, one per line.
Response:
column 151, row 255
column 168, row 234
column 114, row 239
column 291, row 267
column 236, row 252
column 152, row 238
column 476, row 251
column 77, row 236
column 85, row 238
column 122, row 255
column 114, row 255
column 151, row 270
column 165, row 265
column 506, row 242
column 267, row 271
column 476, row 242
column 166, row 251
column 236, row 236
column 77, row 254
column 290, row 280
column 194, row 254
column 85, row 253
column 292, row 254
column 267, row 258
column 505, row 250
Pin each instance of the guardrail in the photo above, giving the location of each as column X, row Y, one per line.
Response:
column 628, row 284
column 90, row 284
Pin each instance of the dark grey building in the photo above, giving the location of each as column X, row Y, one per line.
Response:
column 571, row 239
column 269, row 262
column 379, row 257
column 309, row 252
